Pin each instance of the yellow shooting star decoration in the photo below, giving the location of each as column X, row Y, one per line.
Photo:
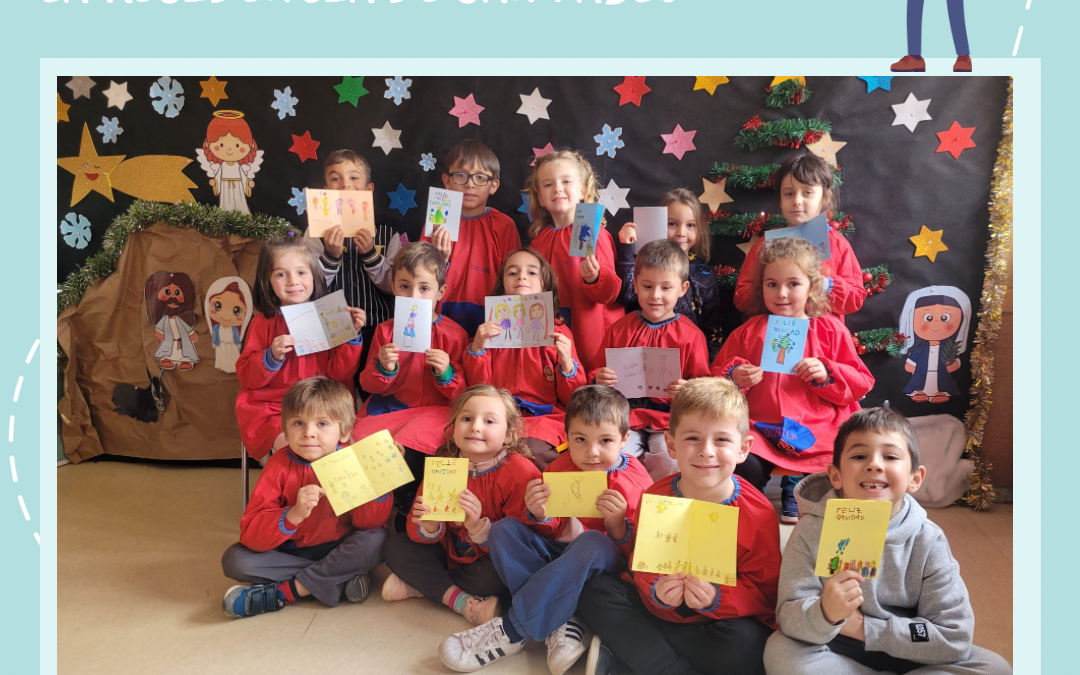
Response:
column 709, row 84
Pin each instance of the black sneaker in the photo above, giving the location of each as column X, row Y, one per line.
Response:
column 358, row 588
column 601, row 661
column 241, row 601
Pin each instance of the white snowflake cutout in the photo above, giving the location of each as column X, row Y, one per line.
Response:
column 110, row 129
column 397, row 88
column 168, row 96
column 76, row 230
column 609, row 141
column 427, row 160
column 284, row 103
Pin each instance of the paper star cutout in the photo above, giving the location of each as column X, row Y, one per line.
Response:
column 466, row 110
column 801, row 79
column 402, row 199
column 873, row 82
column 117, row 94
column 534, row 106
column 631, row 90
column 524, row 208
column 928, row 243
column 350, row 89
column 709, row 84
column 911, row 112
column 746, row 246
column 91, row 171
column 678, row 142
column 540, row 152
column 826, row 148
column 714, row 194
column 387, row 138
column 61, row 109
column 956, row 139
column 80, row 86
column 304, row 146
column 613, row 197
column 213, row 89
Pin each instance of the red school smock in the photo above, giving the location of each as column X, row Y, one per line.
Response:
column 821, row 409
column 588, row 309
column 263, row 383
column 846, row 294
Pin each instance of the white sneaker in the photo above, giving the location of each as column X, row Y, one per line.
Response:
column 472, row 649
column 566, row 644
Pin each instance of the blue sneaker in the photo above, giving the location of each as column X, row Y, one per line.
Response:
column 789, row 508
column 243, row 601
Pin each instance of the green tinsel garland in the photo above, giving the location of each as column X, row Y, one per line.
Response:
column 787, row 93
column 879, row 279
column 746, row 225
column 747, row 177
column 793, row 133
column 888, row 340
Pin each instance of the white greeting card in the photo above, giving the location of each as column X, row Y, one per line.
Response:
column 525, row 320
column 443, row 209
column 320, row 325
column 412, row 324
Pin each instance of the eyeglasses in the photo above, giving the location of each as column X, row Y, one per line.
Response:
column 478, row 179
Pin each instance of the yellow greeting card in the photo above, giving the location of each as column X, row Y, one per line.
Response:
column 444, row 479
column 852, row 536
column 574, row 493
column 687, row 536
column 362, row 472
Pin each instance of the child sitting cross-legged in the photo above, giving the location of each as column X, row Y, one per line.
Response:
column 914, row 616
column 545, row 574
column 291, row 543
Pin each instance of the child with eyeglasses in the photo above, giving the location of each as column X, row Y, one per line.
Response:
column 485, row 238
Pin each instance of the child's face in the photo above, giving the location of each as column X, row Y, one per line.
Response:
column 227, row 309
column 876, row 465
column 561, row 187
column 423, row 284
column 595, row 447
column 473, row 198
column 658, row 290
column 800, row 202
column 346, row 176
column 480, row 428
column 521, row 276
column 785, row 288
column 229, row 148
column 291, row 278
column 313, row 435
column 681, row 227
column 706, row 451
column 937, row 322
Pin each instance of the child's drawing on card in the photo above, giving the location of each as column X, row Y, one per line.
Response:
column 320, row 325
column 537, row 325
column 349, row 209
column 785, row 342
column 443, row 210
column 412, row 324
column 524, row 320
column 588, row 219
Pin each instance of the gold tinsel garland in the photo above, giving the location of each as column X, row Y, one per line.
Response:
column 981, row 494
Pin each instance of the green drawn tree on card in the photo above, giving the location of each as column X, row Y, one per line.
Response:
column 781, row 344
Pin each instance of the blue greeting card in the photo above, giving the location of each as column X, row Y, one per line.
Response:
column 785, row 342
column 815, row 231
column 587, row 223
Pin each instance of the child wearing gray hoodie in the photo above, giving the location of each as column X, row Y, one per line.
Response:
column 914, row 616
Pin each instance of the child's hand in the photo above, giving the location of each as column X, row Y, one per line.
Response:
column 470, row 504
column 562, row 348
column 282, row 345
column 429, row 527
column 388, row 357
column 307, row 498
column 590, row 269
column 746, row 376
column 438, row 360
column 485, row 332
column 333, row 241
column 612, row 505
column 359, row 317
column 854, row 627
column 675, row 386
column 628, row 234
column 440, row 239
column 841, row 596
column 698, row 593
column 669, row 589
column 606, row 376
column 537, row 493
column 365, row 241
column 811, row 370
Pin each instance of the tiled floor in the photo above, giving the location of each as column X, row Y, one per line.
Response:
column 140, row 585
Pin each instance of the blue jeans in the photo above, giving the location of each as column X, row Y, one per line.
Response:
column 545, row 577
column 956, row 23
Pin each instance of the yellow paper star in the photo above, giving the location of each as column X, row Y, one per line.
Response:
column 801, row 79
column 928, row 243
column 714, row 194
column 61, row 110
column 746, row 246
column 709, row 84
column 826, row 149
column 213, row 89
column 91, row 171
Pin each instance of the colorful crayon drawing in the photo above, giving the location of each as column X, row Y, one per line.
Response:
column 524, row 320
column 687, row 536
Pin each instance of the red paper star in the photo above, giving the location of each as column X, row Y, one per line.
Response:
column 466, row 110
column 304, row 147
column 540, row 152
column 955, row 140
column 631, row 90
column 678, row 142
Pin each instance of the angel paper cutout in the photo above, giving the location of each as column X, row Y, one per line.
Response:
column 231, row 158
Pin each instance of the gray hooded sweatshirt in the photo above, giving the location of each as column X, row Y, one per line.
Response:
column 916, row 609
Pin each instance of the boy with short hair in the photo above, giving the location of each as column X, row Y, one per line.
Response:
column 661, row 277
column 678, row 623
column 485, row 237
column 291, row 543
column 914, row 617
column 545, row 576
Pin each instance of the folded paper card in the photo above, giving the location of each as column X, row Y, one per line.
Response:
column 443, row 210
column 815, row 231
column 785, row 342
column 574, row 493
column 650, row 223
column 320, row 325
column 687, row 536
column 525, row 320
column 644, row 371
column 588, row 219
column 444, row 479
column 362, row 472
column 852, row 537
column 412, row 324
column 353, row 210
